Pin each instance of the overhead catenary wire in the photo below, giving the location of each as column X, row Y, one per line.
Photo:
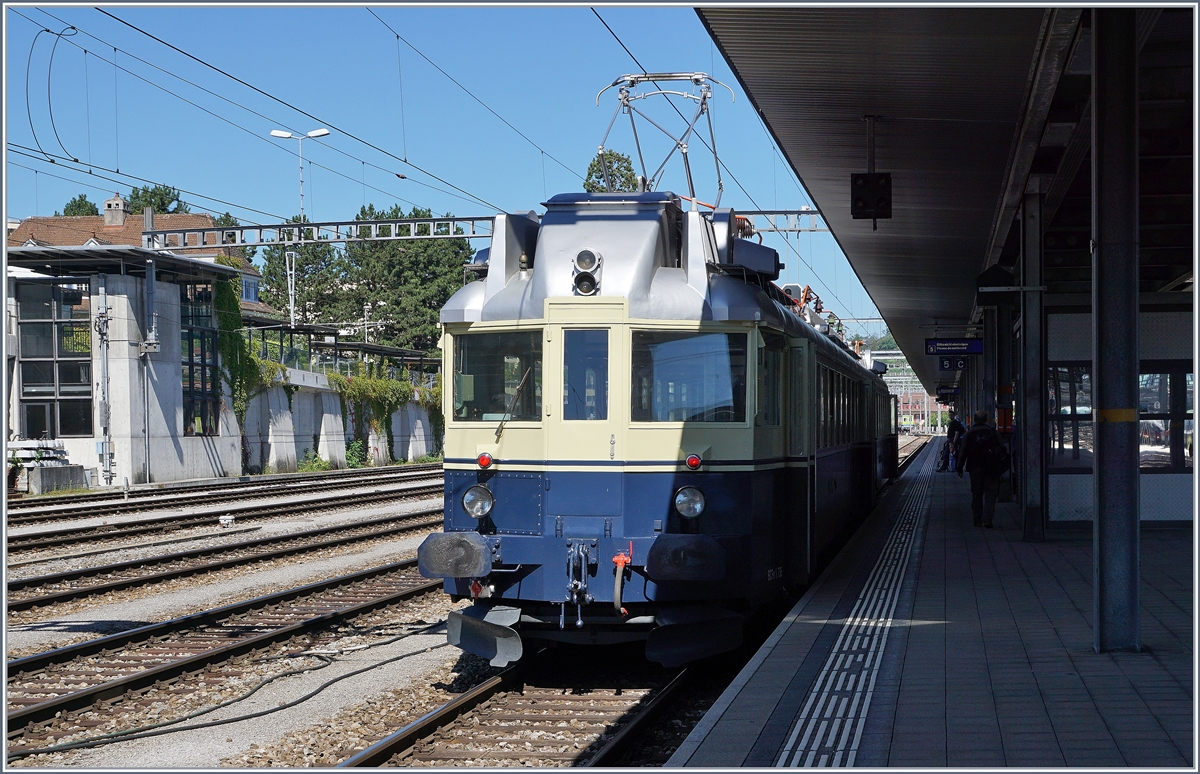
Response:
column 95, row 188
column 64, row 164
column 301, row 111
column 58, row 36
column 400, row 78
column 487, row 107
column 251, row 132
column 248, row 109
column 87, row 99
column 116, row 113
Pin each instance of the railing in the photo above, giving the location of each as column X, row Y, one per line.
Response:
column 322, row 361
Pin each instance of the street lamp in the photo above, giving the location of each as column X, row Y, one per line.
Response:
column 300, row 137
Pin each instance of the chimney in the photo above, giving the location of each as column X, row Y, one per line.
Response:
column 148, row 225
column 115, row 210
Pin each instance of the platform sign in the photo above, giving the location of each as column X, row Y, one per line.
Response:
column 953, row 346
column 948, row 389
column 952, row 363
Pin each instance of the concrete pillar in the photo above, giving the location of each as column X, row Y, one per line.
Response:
column 1031, row 423
column 1115, row 540
column 989, row 361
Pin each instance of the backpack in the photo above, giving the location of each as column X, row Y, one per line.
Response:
column 996, row 457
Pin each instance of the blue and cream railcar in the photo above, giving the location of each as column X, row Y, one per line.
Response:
column 644, row 441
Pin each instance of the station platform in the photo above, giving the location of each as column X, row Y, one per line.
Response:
column 931, row 642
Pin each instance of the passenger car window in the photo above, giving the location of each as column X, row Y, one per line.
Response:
column 688, row 377
column 488, row 370
column 585, row 374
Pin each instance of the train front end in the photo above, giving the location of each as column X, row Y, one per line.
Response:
column 600, row 485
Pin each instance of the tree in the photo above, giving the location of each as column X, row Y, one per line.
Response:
column 80, row 206
column 163, row 199
column 886, row 341
column 320, row 280
column 620, row 172
column 228, row 221
column 405, row 283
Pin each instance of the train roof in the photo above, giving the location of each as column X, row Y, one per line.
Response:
column 669, row 263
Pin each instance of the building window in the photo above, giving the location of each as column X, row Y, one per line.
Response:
column 249, row 289
column 198, row 351
column 55, row 360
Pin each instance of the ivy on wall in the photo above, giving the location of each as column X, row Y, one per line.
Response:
column 368, row 402
column 245, row 374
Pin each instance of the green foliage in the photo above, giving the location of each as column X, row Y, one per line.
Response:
column 356, row 454
column 163, row 199
column 80, row 206
column 321, row 281
column 371, row 401
column 228, row 221
column 426, row 459
column 244, row 373
column 312, row 463
column 620, row 172
column 404, row 283
column 886, row 341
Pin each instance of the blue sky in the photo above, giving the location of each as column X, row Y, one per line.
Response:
column 538, row 68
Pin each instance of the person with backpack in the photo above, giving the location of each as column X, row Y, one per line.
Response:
column 954, row 433
column 982, row 454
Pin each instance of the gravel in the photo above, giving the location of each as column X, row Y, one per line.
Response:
column 206, row 538
column 214, row 509
column 34, row 631
column 336, row 722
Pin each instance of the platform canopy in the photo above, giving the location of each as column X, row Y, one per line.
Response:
column 83, row 260
column 974, row 105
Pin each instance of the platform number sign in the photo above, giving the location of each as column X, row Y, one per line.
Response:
column 951, row 363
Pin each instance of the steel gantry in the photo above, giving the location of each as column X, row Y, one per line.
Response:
column 294, row 234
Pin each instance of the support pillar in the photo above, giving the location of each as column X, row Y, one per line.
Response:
column 989, row 362
column 1031, row 424
column 1115, row 536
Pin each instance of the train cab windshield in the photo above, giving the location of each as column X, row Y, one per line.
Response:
column 495, row 373
column 689, row 377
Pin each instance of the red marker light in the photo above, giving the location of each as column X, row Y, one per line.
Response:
column 485, row 460
column 693, row 461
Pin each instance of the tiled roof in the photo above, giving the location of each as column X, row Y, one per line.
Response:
column 65, row 230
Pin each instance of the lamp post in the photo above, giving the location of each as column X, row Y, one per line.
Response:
column 300, row 138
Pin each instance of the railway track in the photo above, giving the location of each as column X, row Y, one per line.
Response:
column 107, row 505
column 67, row 691
column 548, row 714
column 36, row 541
column 48, row 590
column 909, row 449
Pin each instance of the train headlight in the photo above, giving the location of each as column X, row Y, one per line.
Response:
column 689, row 502
column 587, row 260
column 478, row 501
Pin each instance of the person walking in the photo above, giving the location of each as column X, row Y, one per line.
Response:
column 982, row 454
column 954, row 432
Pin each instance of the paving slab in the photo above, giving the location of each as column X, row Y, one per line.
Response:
column 988, row 659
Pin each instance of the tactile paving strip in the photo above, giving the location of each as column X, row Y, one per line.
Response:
column 829, row 728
